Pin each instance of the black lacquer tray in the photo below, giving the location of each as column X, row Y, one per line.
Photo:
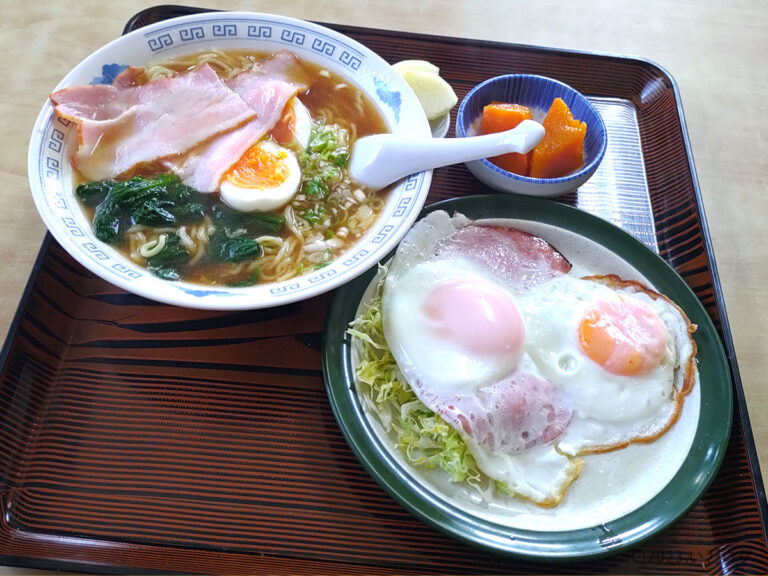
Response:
column 141, row 437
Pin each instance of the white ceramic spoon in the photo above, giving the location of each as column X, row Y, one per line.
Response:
column 384, row 158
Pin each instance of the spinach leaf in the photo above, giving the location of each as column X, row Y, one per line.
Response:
column 253, row 223
column 93, row 193
column 108, row 222
column 173, row 253
column 130, row 194
column 189, row 213
column 160, row 201
column 172, row 259
column 236, row 249
column 154, row 212
column 253, row 278
column 165, row 272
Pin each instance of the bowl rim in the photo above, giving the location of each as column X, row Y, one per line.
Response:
column 366, row 251
column 461, row 120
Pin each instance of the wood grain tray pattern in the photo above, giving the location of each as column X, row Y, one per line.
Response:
column 142, row 437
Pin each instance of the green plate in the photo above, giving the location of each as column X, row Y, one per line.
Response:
column 679, row 496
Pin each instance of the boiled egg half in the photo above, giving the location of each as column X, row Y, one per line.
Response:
column 265, row 178
column 295, row 125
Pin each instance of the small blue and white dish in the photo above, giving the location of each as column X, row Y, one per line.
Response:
column 537, row 93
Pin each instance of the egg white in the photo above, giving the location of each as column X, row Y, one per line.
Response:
column 303, row 123
column 539, row 474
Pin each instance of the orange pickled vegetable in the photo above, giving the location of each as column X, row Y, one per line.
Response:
column 562, row 149
column 498, row 117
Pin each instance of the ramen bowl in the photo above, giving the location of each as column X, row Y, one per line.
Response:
column 54, row 140
column 537, row 93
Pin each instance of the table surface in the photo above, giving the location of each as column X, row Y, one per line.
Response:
column 714, row 50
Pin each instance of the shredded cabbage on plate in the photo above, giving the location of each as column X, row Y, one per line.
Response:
column 421, row 435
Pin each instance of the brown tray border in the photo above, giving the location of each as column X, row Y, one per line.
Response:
column 162, row 12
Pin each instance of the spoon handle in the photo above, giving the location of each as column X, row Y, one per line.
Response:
column 384, row 158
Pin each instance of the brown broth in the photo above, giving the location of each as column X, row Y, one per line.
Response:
column 334, row 93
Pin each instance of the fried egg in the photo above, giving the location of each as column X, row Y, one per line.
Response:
column 621, row 354
column 265, row 178
column 453, row 323
column 458, row 337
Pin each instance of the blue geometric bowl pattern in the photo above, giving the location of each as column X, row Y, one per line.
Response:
column 54, row 139
column 536, row 92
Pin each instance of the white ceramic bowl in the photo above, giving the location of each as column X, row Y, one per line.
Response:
column 54, row 139
column 536, row 92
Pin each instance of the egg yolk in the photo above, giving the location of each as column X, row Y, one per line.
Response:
column 624, row 336
column 477, row 317
column 259, row 168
